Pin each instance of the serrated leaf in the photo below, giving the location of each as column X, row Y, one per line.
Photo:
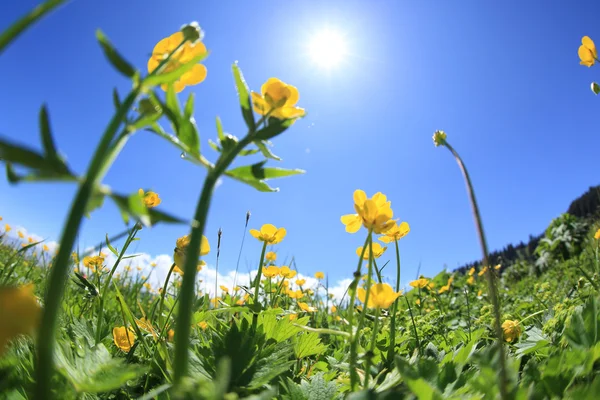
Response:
column 264, row 149
column 308, row 344
column 113, row 56
column 244, row 97
column 96, row 371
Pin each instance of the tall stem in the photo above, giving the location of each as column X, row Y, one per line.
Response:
column 259, row 273
column 372, row 349
column 104, row 291
column 392, row 347
column 502, row 376
column 184, row 316
column 352, row 288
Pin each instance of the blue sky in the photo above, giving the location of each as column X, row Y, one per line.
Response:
column 502, row 79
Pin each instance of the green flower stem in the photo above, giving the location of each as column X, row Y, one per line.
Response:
column 392, row 347
column 184, row 316
column 259, row 273
column 502, row 376
column 353, row 286
column 59, row 273
column 372, row 349
column 466, row 291
column 104, row 291
column 163, row 294
column 412, row 318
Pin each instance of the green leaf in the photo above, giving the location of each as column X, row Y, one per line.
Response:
column 133, row 205
column 37, row 176
column 259, row 172
column 259, row 185
column 275, row 127
column 110, row 247
column 46, row 133
column 28, row 246
column 30, row 158
column 26, row 21
column 220, row 129
column 264, row 149
column 116, row 100
column 172, row 76
column 96, row 201
column 214, row 146
column 188, row 134
column 308, row 344
column 188, row 109
column 113, row 56
column 172, row 102
column 94, row 371
column 244, row 97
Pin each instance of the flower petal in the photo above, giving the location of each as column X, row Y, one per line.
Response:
column 268, row 230
column 194, row 76
column 359, row 197
column 255, row 233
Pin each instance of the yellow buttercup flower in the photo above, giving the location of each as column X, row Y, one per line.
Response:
column 378, row 251
column 471, row 280
column 151, row 199
column 45, row 248
column 181, row 246
column 201, row 264
column 479, row 293
column 396, row 233
column 225, row 289
column 203, row 325
column 483, row 271
column 472, row 271
column 269, row 233
column 7, row 227
column 21, row 235
column 444, row 289
column 300, row 282
column 19, row 313
column 333, row 309
column 286, row 272
column 596, row 235
column 587, row 52
column 420, row 283
column 93, row 262
column 243, row 300
column 271, row 272
column 278, row 99
column 123, row 338
column 381, row 295
column 306, row 308
column 295, row 294
column 185, row 54
column 497, row 267
column 271, row 256
column 30, row 239
column 293, row 317
column 170, row 335
column 374, row 213
column 512, row 330
column 319, row 275
column 439, row 138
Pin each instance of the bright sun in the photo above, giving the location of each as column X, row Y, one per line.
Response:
column 327, row 48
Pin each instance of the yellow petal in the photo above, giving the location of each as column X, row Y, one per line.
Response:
column 268, row 230
column 279, row 235
column 259, row 104
column 359, row 197
column 204, row 246
column 353, row 222
column 290, row 112
column 585, row 56
column 370, row 210
column 294, row 96
column 255, row 233
column 362, row 294
column 194, row 76
column 589, row 43
column 179, row 86
column 270, row 82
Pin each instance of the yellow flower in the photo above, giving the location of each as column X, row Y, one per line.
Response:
column 444, row 289
column 512, row 330
column 497, row 267
column 271, row 256
column 147, row 286
column 153, row 264
column 269, row 233
column 93, row 262
column 587, row 52
column 181, row 248
column 375, row 213
column 420, row 283
column 381, row 295
column 596, row 235
column 123, row 338
column 293, row 317
column 151, row 199
column 333, row 309
column 203, row 325
column 278, row 98
column 439, row 138
column 305, row 307
column 170, row 335
column 21, row 235
column 271, row 272
column 19, row 313
column 483, row 271
column 201, row 264
column 395, row 233
column 319, row 275
column 30, row 239
column 300, row 282
column 7, row 227
column 138, row 268
column 471, row 280
column 45, row 248
column 225, row 289
column 310, row 292
column 479, row 293
column 378, row 251
column 472, row 271
column 286, row 272
column 243, row 300
column 185, row 54
column 295, row 294
column 0, row 218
